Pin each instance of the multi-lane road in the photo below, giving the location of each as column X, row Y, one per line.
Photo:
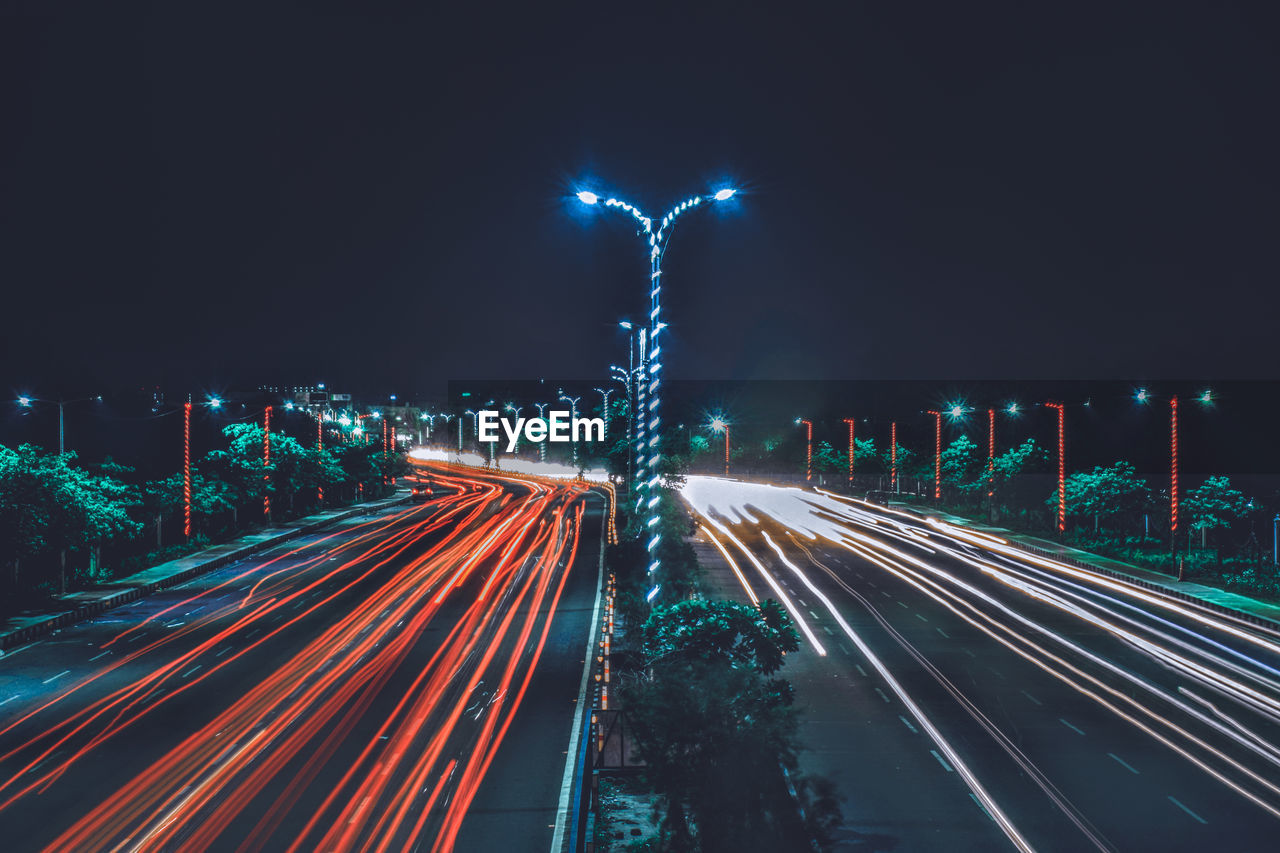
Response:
column 405, row 681
column 966, row 695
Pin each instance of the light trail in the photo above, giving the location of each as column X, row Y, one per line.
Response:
column 1172, row 647
column 487, row 561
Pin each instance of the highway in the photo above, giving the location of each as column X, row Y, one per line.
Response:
column 405, row 681
column 966, row 695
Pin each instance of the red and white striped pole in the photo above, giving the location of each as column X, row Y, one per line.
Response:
column 1062, row 465
column 850, row 422
column 266, row 460
column 186, row 469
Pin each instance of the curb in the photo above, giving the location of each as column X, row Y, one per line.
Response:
column 1213, row 606
column 54, row 621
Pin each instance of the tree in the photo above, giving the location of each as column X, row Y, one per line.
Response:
column 1113, row 497
column 1215, row 505
column 1006, row 468
column 716, row 753
column 49, row 505
column 960, row 465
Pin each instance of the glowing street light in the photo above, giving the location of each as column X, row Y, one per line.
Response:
column 1206, row 397
column 604, row 394
column 542, row 445
column 808, row 453
column 1141, row 396
column 26, row 401
column 718, row 425
column 1013, row 409
column 656, row 236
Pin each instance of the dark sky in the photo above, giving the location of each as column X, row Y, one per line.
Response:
column 383, row 199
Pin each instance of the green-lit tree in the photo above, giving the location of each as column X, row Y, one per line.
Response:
column 1114, row 498
column 1214, row 507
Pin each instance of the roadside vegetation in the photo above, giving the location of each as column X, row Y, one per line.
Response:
column 66, row 525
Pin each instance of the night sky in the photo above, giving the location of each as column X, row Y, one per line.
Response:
column 383, row 199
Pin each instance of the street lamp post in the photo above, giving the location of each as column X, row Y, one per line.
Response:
column 25, row 401
column 627, row 380
column 1062, row 465
column 719, row 424
column 850, row 422
column 604, row 394
column 893, row 456
column 808, row 451
column 573, row 416
column 542, row 445
column 266, row 461
column 511, row 407
column 1173, row 468
column 656, row 242
column 937, row 454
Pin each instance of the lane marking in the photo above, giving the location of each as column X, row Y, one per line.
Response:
column 861, row 670
column 811, row 613
column 882, row 696
column 1126, row 765
column 980, row 805
column 903, row 605
column 1187, row 810
column 946, row 636
column 1029, row 696
column 844, row 648
column 56, row 677
column 1068, row 725
column 223, row 652
column 191, row 671
column 10, row 699
column 907, row 723
column 575, row 730
column 942, row 761
column 921, row 618
column 95, row 657
column 828, row 630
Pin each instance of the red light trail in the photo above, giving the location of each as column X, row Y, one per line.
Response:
column 483, row 566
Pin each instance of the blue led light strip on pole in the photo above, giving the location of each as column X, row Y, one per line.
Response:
column 649, row 396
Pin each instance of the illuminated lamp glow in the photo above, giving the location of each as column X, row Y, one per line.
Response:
column 588, row 197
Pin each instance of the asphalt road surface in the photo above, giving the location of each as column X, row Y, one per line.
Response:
column 965, row 695
column 405, row 681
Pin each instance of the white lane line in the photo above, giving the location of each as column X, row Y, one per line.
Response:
column 191, row 671
column 102, row 655
column 907, row 723
column 996, row 671
column 882, row 696
column 970, row 653
column 1126, row 765
column 1029, row 696
column 223, row 652
column 903, row 605
column 885, row 594
column 10, row 699
column 1068, row 725
column 56, row 677
column 945, row 636
column 980, row 805
column 811, row 613
column 801, row 601
column 844, row 648
column 1187, row 810
column 921, row 618
column 828, row 630
column 862, row 671
column 942, row 761
column 575, row 730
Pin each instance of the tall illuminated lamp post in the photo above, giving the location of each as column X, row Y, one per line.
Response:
column 656, row 241
column 626, row 378
column 266, row 461
column 850, row 422
column 808, row 448
column 1062, row 465
column 573, row 416
column 893, row 456
column 542, row 445
column 937, row 454
column 512, row 407
column 720, row 425
column 26, row 402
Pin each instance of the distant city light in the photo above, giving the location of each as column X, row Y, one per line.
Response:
column 24, row 401
column 588, row 197
column 1141, row 396
column 718, row 424
column 215, row 403
column 1013, row 409
column 375, row 414
column 1206, row 397
column 721, row 195
column 288, row 406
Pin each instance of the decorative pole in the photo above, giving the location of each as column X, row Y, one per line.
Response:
column 266, row 460
column 1173, row 469
column 893, row 456
column 850, row 422
column 1062, row 465
column 937, row 454
column 319, row 449
column 991, row 452
column 186, row 469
